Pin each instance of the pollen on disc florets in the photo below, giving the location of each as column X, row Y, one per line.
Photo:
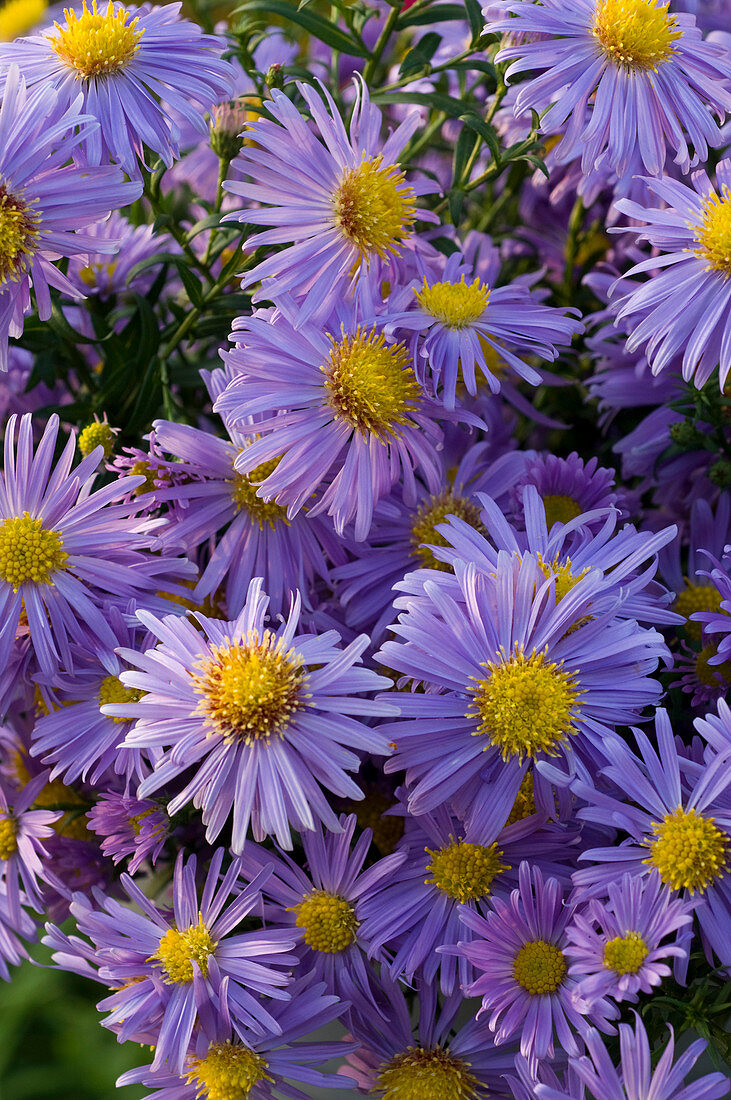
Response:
column 18, row 235
column 178, row 951
column 456, row 305
column 427, row 1073
column 96, row 43
column 228, row 1071
column 693, row 598
column 713, row 235
column 713, row 676
column 464, row 871
column 625, row 954
column 370, row 384
column 688, row 850
column 560, row 509
column 8, row 836
column 97, row 434
column 251, row 689
column 29, row 552
column 329, row 921
column 374, row 207
column 244, row 496
column 112, row 690
column 525, row 705
column 636, row 34
column 539, row 967
column 432, row 512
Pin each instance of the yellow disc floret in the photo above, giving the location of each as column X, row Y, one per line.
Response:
column 228, row 1071
column 179, row 950
column 8, row 836
column 456, row 305
column 29, row 552
column 713, row 235
column 560, row 509
column 688, row 849
column 625, row 954
column 637, row 34
column 370, row 383
column 427, row 1073
column 112, row 690
column 713, row 676
column 244, row 495
column 525, row 802
column 97, row 434
column 374, row 207
column 525, row 705
column 329, row 921
column 433, row 511
column 251, row 690
column 95, row 43
column 465, row 871
column 540, row 967
column 696, row 597
column 18, row 235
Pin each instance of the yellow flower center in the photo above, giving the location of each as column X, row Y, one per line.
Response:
column 96, row 435
column 713, row 235
column 525, row 706
column 696, row 597
column 329, row 921
column 251, row 690
column 539, row 967
column 29, row 552
column 456, row 305
column 560, row 509
column 243, row 493
column 18, row 235
column 374, row 208
column 370, row 384
column 8, row 837
column 143, row 469
column 714, row 676
column 95, row 43
column 427, row 1074
column 229, row 1071
column 179, row 950
column 95, row 273
column 112, row 690
column 432, row 512
column 525, row 803
column 565, row 580
column 465, row 871
column 17, row 17
column 625, row 954
column 637, row 34
column 688, row 849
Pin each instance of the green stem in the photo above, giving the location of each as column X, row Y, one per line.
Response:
column 388, row 28
column 176, row 232
column 572, row 248
column 190, row 319
column 222, row 171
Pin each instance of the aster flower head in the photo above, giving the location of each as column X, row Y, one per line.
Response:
column 263, row 715
column 101, row 275
column 336, row 197
column 617, row 948
column 130, row 827
column 333, row 409
column 634, row 1077
column 45, row 202
column 715, row 620
column 167, row 967
column 617, row 75
column 14, row 929
column 684, row 310
column 130, row 67
column 568, row 488
column 22, row 850
column 519, row 950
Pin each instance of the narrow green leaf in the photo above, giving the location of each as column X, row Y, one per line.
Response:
column 311, row 22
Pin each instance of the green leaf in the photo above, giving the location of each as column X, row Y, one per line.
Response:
column 450, row 106
column 456, row 202
column 192, row 285
column 463, row 150
column 435, row 13
column 421, row 55
column 475, row 17
column 309, row 21
column 486, row 131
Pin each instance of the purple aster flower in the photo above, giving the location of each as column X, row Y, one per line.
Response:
column 450, row 867
column 75, row 867
column 339, row 200
column 697, row 674
column 437, row 1058
column 263, row 716
column 13, row 930
column 130, row 827
column 716, row 620
column 519, row 950
column 635, row 1077
column 228, row 1059
column 22, row 851
column 569, row 487
column 322, row 902
column 677, row 817
column 709, row 530
column 130, row 67
column 618, row 75
column 461, row 324
column 687, row 308
column 99, row 275
column 338, row 406
column 511, row 671
column 617, row 947
column 46, row 202
column 167, row 967
column 65, row 548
